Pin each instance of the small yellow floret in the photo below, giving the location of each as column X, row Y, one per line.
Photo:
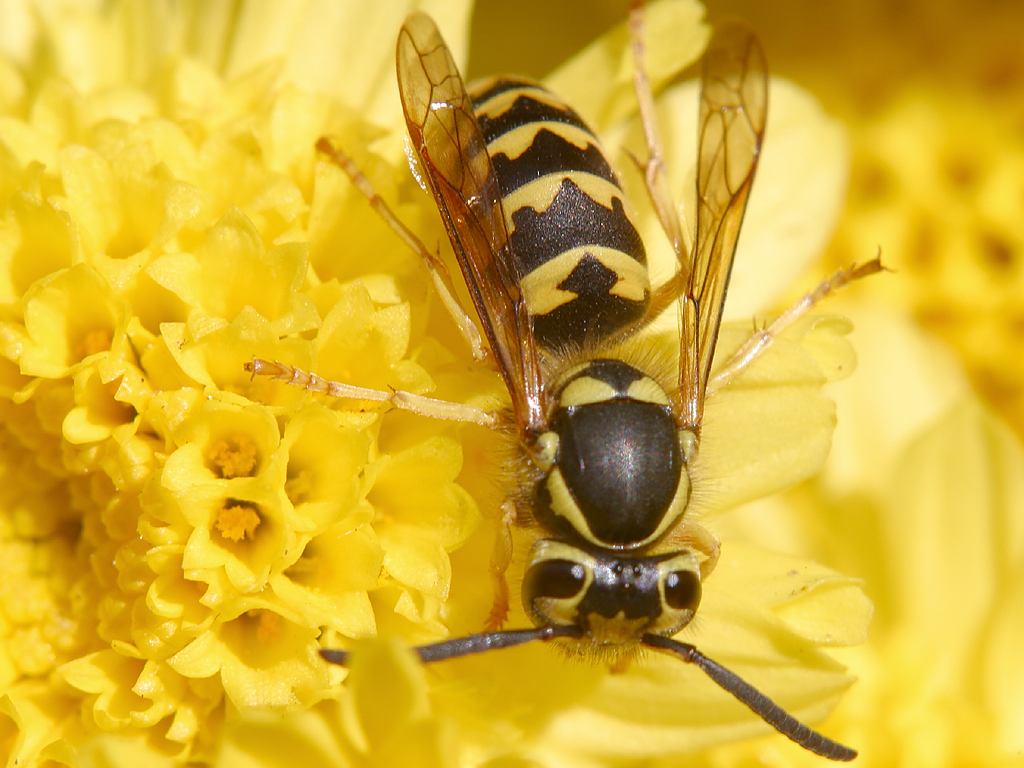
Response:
column 237, row 521
column 233, row 457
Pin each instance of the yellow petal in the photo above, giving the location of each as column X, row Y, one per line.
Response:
column 32, row 724
column 772, row 426
column 327, row 454
column 387, row 711
column 261, row 740
column 360, row 39
column 69, row 315
column 674, row 36
column 263, row 657
column 38, row 241
column 330, row 583
column 955, row 501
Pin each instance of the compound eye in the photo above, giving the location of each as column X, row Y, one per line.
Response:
column 682, row 590
column 556, row 579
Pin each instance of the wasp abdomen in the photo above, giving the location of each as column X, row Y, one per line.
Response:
column 580, row 259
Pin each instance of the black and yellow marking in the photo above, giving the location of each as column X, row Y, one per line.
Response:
column 615, row 598
column 599, row 380
column 548, row 287
column 617, row 479
column 501, row 104
column 556, row 580
column 580, row 259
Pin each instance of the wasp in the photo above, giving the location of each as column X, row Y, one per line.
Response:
column 557, row 273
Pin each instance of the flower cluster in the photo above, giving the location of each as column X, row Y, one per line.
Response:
column 179, row 540
column 172, row 541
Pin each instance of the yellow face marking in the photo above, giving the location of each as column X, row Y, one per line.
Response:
column 618, row 629
column 553, row 549
column 515, row 142
column 673, row 619
column 540, row 287
column 584, row 391
column 502, row 102
column 540, row 193
column 647, row 390
column 562, row 610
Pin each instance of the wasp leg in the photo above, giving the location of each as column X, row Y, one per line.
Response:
column 501, row 556
column 693, row 535
column 759, row 341
column 407, row 401
column 438, row 272
column 654, row 167
column 653, row 170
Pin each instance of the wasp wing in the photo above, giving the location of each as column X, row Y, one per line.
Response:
column 439, row 116
column 733, row 109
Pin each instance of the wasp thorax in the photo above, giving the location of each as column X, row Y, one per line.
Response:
column 614, row 598
column 618, row 476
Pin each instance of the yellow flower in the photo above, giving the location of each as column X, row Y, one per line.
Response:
column 263, row 657
column 69, row 316
column 179, row 540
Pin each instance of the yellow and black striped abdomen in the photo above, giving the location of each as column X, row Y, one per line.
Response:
column 579, row 257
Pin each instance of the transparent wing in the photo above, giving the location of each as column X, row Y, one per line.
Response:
column 439, row 116
column 733, row 108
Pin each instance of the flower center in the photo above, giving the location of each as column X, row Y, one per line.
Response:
column 91, row 342
column 237, row 520
column 268, row 625
column 233, row 457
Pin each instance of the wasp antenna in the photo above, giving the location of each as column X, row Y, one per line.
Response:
column 464, row 646
column 768, row 710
